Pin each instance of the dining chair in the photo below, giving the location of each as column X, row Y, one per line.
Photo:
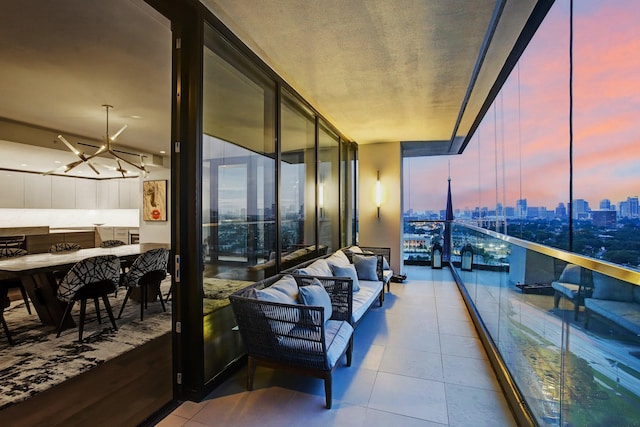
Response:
column 91, row 278
column 14, row 283
column 111, row 243
column 147, row 270
column 5, row 302
column 60, row 248
column 64, row 247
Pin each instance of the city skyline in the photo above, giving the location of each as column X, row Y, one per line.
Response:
column 521, row 149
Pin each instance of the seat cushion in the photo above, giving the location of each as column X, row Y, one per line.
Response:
column 625, row 314
column 362, row 300
column 387, row 275
column 337, row 335
column 569, row 290
column 347, row 271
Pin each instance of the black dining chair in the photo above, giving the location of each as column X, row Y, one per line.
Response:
column 7, row 284
column 147, row 271
column 64, row 247
column 111, row 243
column 5, row 302
column 91, row 278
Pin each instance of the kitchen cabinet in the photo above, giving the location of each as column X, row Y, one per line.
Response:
column 37, row 191
column 40, row 243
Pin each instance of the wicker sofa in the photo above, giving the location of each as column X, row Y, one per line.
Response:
column 368, row 289
column 282, row 329
column 614, row 300
column 282, row 334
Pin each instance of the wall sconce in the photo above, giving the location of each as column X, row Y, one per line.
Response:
column 378, row 194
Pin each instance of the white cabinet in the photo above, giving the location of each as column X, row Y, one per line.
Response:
column 108, row 194
column 11, row 190
column 63, row 192
column 37, row 191
column 86, row 194
column 130, row 193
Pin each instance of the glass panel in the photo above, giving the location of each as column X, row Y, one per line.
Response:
column 297, row 169
column 238, row 190
column 328, row 190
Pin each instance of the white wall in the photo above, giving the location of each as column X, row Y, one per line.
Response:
column 385, row 231
column 156, row 231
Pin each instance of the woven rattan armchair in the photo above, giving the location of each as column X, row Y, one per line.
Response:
column 295, row 337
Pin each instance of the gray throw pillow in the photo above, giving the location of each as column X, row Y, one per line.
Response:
column 366, row 266
column 347, row 271
column 570, row 274
column 284, row 290
column 316, row 295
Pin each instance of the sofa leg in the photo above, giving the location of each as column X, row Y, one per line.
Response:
column 350, row 351
column 576, row 309
column 327, row 389
column 586, row 318
column 556, row 299
column 251, row 370
column 381, row 297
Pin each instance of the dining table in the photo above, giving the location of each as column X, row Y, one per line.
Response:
column 35, row 271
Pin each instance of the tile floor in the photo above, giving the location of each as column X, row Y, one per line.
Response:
column 417, row 362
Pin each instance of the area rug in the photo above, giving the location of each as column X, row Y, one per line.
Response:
column 39, row 360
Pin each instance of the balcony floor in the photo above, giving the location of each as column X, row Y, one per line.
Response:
column 417, row 362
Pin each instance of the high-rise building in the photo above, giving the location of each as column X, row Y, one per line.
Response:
column 580, row 209
column 561, row 211
column 605, row 204
column 633, row 207
column 521, row 208
column 604, row 218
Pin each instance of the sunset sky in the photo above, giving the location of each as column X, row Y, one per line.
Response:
column 521, row 149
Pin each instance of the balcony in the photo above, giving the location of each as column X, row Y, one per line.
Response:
column 417, row 361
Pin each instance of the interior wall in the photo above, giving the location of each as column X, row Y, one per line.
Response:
column 157, row 231
column 385, row 231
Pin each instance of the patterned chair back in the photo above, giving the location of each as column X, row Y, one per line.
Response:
column 90, row 270
column 12, row 252
column 111, row 243
column 64, row 247
column 155, row 259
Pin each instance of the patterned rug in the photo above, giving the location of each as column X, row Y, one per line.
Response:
column 39, row 360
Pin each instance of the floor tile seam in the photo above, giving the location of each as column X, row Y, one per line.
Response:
column 408, row 416
column 496, row 391
column 492, row 377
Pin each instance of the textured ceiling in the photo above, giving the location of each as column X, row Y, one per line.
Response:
column 378, row 70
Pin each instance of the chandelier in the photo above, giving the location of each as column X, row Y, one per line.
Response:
column 105, row 149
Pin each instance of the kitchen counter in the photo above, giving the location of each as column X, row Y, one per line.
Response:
column 23, row 231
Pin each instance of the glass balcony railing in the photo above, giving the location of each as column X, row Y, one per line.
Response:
column 566, row 327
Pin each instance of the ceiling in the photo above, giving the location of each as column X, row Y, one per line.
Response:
column 377, row 70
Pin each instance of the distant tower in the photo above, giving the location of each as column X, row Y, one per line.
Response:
column 633, row 207
column 521, row 208
column 605, row 204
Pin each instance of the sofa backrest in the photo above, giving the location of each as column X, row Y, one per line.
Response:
column 610, row 288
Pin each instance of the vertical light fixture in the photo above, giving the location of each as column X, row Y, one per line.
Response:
column 378, row 194
column 321, row 198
